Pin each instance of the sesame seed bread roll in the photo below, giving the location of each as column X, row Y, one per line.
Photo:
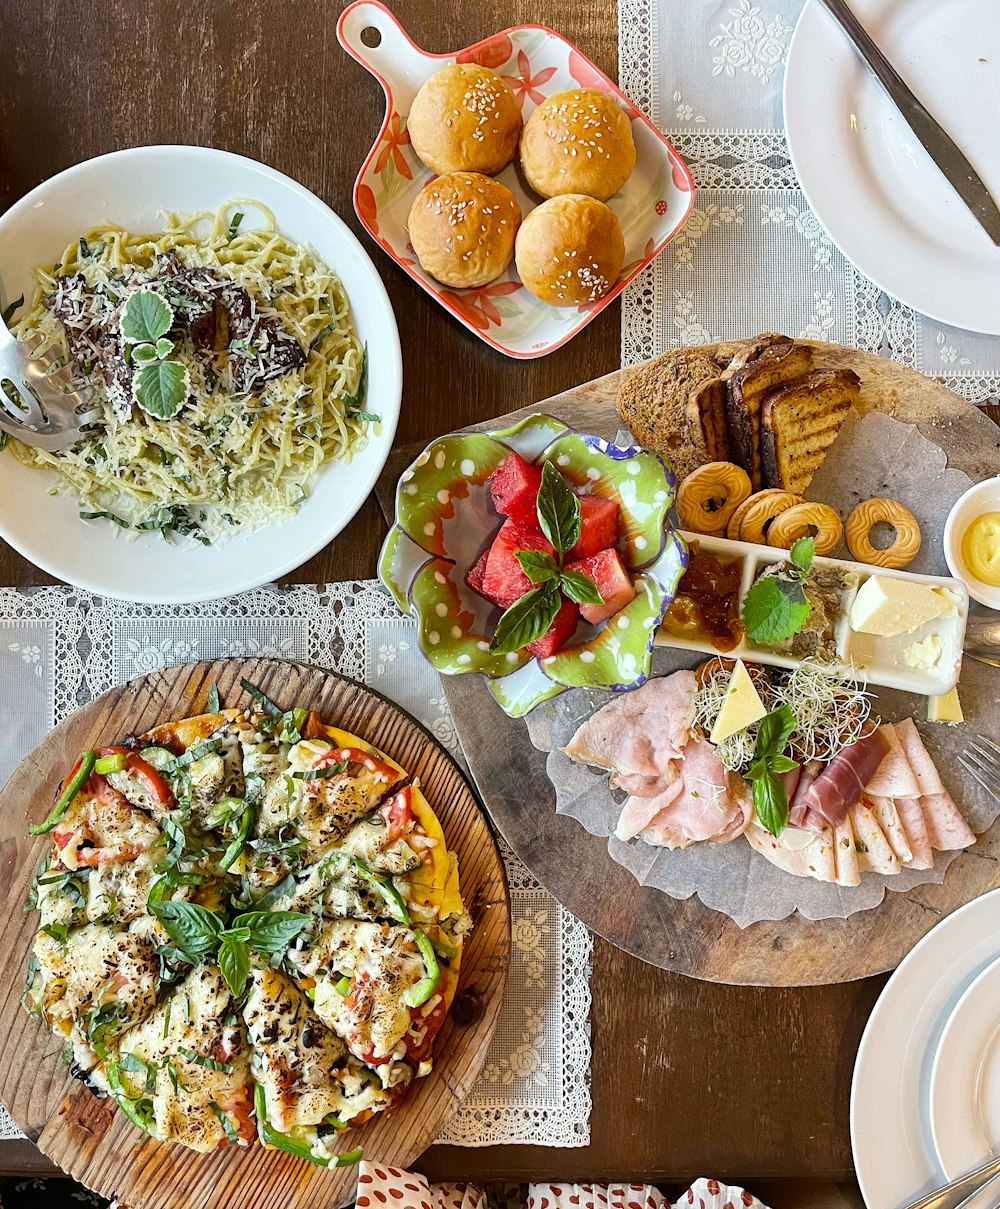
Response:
column 462, row 227
column 570, row 250
column 465, row 119
column 578, row 141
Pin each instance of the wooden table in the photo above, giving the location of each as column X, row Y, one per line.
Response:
column 689, row 1078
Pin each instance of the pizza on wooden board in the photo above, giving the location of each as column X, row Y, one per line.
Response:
column 251, row 929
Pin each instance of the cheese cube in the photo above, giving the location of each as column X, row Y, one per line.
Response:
column 887, row 606
column 741, row 706
column 945, row 709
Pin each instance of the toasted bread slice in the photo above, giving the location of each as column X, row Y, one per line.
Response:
column 800, row 422
column 777, row 366
column 707, row 417
column 653, row 404
column 737, row 353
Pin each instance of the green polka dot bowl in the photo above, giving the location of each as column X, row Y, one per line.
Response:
column 445, row 518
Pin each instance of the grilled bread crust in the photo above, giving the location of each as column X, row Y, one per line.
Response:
column 800, row 422
column 778, row 365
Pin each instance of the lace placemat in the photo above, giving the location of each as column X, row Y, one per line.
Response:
column 60, row 648
column 752, row 256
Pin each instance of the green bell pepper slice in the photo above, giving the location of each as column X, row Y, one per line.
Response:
column 421, row 991
column 81, row 771
column 298, row 1147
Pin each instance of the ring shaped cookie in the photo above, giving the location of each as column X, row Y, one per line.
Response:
column 710, row 495
column 765, row 507
column 818, row 521
column 870, row 513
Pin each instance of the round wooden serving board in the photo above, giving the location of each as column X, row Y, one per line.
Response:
column 685, row 935
column 89, row 1137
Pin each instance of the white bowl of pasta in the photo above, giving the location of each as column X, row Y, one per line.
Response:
column 246, row 361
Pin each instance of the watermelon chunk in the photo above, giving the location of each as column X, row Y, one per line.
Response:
column 514, row 485
column 606, row 569
column 599, row 526
column 559, row 633
column 504, row 581
column 475, row 577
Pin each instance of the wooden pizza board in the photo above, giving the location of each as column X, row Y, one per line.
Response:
column 89, row 1138
column 684, row 935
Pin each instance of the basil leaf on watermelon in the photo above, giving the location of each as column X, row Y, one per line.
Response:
column 527, row 619
column 538, row 565
column 558, row 510
column 580, row 588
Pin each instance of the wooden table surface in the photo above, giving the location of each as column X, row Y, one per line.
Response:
column 689, row 1078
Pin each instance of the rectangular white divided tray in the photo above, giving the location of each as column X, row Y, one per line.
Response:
column 880, row 661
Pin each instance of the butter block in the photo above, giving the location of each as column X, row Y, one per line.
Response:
column 947, row 708
column 887, row 606
column 926, row 654
column 741, row 706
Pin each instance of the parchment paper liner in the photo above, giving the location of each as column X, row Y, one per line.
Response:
column 874, row 456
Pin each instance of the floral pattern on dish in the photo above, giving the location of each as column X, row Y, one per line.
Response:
column 445, row 519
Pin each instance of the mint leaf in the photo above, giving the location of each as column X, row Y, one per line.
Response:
column 774, row 610
column 143, row 354
column 145, row 317
column 161, row 387
column 538, row 565
column 580, row 588
column 164, row 347
column 770, row 802
column 526, row 619
column 234, row 962
column 802, row 553
column 558, row 510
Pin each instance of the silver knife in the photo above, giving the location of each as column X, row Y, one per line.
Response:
column 957, row 170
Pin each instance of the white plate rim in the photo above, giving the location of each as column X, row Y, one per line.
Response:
column 390, row 355
column 803, row 123
column 954, row 1066
column 892, row 1165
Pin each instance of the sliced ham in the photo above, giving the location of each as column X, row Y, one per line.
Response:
column 637, row 785
column 813, row 858
column 639, row 732
column 924, row 770
column 894, row 777
column 798, row 809
column 707, row 808
column 639, row 812
column 912, row 817
column 842, row 781
column 846, row 854
column 946, row 828
column 875, row 853
column 892, row 827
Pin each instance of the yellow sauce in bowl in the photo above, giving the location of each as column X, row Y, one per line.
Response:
column 981, row 548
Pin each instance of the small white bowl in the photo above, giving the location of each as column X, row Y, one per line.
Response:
column 981, row 498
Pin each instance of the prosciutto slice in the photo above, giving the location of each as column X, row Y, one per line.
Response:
column 798, row 809
column 639, row 732
column 843, row 780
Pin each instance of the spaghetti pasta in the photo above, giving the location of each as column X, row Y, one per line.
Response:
column 244, row 449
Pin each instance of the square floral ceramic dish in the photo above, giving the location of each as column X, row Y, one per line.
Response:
column 445, row 518
column 535, row 61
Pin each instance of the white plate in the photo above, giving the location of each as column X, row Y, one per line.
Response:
column 869, row 182
column 890, row 1127
column 965, row 1079
column 133, row 188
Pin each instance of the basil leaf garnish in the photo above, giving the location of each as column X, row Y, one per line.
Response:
column 194, row 930
column 558, row 510
column 272, row 930
column 234, row 962
column 771, row 803
column 526, row 619
column 538, row 565
column 580, row 588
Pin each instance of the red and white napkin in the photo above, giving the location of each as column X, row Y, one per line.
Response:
column 392, row 1188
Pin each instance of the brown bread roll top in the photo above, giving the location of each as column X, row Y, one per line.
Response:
column 578, row 141
column 465, row 118
column 462, row 226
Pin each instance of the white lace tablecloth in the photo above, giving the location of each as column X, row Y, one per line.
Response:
column 752, row 256
column 60, row 648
